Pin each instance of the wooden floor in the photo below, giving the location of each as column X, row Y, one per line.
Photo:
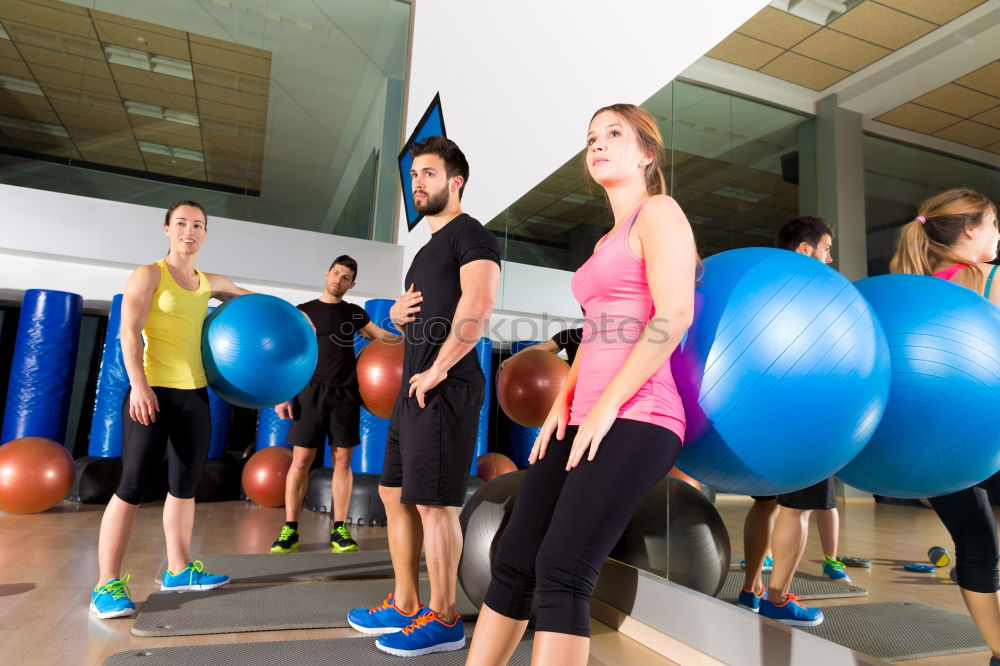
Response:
column 890, row 536
column 48, row 566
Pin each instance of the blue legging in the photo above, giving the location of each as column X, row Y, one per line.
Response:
column 564, row 524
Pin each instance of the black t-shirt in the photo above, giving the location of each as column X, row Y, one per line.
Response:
column 435, row 273
column 336, row 324
column 569, row 340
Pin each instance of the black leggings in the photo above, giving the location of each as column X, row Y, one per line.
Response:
column 184, row 420
column 969, row 518
column 565, row 524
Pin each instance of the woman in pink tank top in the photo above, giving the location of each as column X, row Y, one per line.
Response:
column 953, row 237
column 617, row 425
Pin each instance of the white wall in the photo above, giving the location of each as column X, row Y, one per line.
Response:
column 519, row 81
column 90, row 246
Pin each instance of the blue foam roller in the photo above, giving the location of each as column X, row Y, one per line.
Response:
column 112, row 385
column 41, row 374
column 484, row 352
column 271, row 431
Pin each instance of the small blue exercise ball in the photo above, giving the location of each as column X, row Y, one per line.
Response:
column 941, row 429
column 784, row 373
column 258, row 351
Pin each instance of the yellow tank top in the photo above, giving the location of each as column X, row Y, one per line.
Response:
column 172, row 357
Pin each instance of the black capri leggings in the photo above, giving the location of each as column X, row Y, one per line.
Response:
column 969, row 518
column 185, row 421
column 565, row 524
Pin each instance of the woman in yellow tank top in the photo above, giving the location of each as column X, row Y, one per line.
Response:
column 163, row 309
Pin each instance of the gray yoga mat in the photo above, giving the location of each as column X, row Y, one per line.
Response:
column 298, row 567
column 896, row 630
column 326, row 652
column 804, row 586
column 233, row 609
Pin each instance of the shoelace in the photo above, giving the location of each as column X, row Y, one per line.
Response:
column 383, row 606
column 118, row 589
column 341, row 531
column 420, row 621
column 835, row 565
column 286, row 533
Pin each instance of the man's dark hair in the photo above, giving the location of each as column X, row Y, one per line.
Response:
column 455, row 163
column 808, row 228
column 185, row 202
column 347, row 262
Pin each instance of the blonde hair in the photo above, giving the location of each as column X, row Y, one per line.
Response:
column 927, row 242
column 650, row 141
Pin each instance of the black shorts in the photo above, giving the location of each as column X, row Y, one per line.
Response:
column 182, row 430
column 763, row 498
column 321, row 411
column 814, row 498
column 428, row 451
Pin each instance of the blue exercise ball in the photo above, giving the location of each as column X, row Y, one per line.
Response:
column 258, row 351
column 941, row 429
column 784, row 373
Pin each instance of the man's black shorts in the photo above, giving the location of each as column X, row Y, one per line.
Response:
column 814, row 498
column 321, row 411
column 428, row 451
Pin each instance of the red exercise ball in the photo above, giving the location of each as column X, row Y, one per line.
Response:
column 528, row 384
column 491, row 465
column 380, row 375
column 35, row 474
column 690, row 480
column 264, row 475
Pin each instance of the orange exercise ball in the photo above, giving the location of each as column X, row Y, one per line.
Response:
column 35, row 474
column 491, row 465
column 528, row 384
column 380, row 375
column 264, row 475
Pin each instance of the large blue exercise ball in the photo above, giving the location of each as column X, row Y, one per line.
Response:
column 258, row 351
column 941, row 429
column 784, row 373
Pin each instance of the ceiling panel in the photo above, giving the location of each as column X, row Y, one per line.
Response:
column 8, row 50
column 13, row 67
column 227, row 78
column 746, row 51
column 233, row 114
column 175, row 140
column 804, row 71
column 881, row 25
column 44, row 56
column 63, row 84
column 938, row 11
column 158, row 97
column 957, row 100
column 918, row 118
column 152, row 80
column 841, row 50
column 777, row 27
column 232, row 60
column 991, row 117
column 37, row 114
column 27, row 100
column 66, row 18
column 53, row 40
column 144, row 39
column 232, row 97
column 985, row 79
column 971, row 134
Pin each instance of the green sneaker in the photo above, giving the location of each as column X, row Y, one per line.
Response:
column 288, row 540
column 834, row 569
column 340, row 539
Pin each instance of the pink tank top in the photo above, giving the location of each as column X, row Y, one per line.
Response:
column 611, row 286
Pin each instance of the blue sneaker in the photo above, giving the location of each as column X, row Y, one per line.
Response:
column 112, row 599
column 834, row 569
column 382, row 619
column 750, row 600
column 192, row 577
column 767, row 566
column 791, row 613
column 426, row 634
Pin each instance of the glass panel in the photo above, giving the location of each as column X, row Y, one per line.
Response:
column 271, row 112
column 898, row 177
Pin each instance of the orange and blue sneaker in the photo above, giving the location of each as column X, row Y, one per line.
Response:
column 112, row 599
column 192, row 577
column 790, row 612
column 750, row 600
column 426, row 634
column 382, row 619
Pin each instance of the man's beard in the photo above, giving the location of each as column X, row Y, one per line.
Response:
column 433, row 204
